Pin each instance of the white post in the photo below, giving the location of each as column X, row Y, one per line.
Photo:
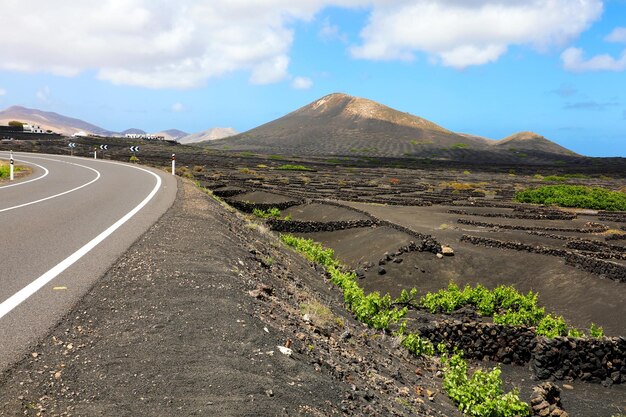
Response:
column 95, row 154
column 11, row 168
column 173, row 164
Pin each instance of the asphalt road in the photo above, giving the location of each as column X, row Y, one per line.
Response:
column 61, row 228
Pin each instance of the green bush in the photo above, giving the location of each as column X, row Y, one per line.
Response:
column 575, row 196
column 596, row 331
column 552, row 327
column 417, row 345
column 480, row 395
column 289, row 167
column 504, row 303
column 273, row 213
column 554, row 178
column 372, row 309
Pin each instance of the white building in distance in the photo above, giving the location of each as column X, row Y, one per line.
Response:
column 33, row 128
column 147, row 136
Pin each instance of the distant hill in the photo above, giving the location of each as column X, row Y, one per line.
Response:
column 342, row 124
column 208, row 135
column 174, row 134
column 339, row 124
column 133, row 131
column 68, row 125
column 530, row 141
column 50, row 120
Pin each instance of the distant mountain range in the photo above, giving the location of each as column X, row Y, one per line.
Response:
column 339, row 124
column 208, row 135
column 49, row 120
column 69, row 126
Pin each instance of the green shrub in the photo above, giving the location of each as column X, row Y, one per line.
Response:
column 480, row 395
column 505, row 304
column 554, row 178
column 4, row 170
column 460, row 146
column 575, row 196
column 596, row 331
column 552, row 327
column 271, row 213
column 372, row 309
column 418, row 345
column 289, row 167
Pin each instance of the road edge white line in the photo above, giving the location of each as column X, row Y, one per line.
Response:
column 22, row 295
column 27, row 181
column 98, row 175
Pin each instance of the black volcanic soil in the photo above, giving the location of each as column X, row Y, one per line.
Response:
column 189, row 322
column 322, row 213
column 417, row 195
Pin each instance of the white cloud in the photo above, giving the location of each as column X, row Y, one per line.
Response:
column 178, row 107
column 573, row 60
column 302, row 83
column 617, row 35
column 329, row 32
column 271, row 71
column 182, row 44
column 154, row 44
column 43, row 94
column 461, row 33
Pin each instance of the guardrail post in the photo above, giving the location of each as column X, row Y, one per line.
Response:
column 173, row 164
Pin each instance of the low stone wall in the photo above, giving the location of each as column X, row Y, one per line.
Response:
column 546, row 401
column 248, row 207
column 228, row 193
column 611, row 216
column 523, row 216
column 592, row 360
column 591, row 227
column 296, row 226
column 506, row 344
column 432, row 244
column 615, row 237
column 594, row 246
column 610, row 270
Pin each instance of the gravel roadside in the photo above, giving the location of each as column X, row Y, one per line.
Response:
column 192, row 321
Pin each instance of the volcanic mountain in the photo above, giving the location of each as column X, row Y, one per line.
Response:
column 529, row 141
column 50, row 120
column 339, row 124
column 342, row 124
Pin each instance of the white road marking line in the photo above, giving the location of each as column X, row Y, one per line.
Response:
column 46, row 172
column 23, row 294
column 60, row 194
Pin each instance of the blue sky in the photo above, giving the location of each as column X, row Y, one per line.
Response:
column 486, row 67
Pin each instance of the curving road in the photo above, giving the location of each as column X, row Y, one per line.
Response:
column 61, row 228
